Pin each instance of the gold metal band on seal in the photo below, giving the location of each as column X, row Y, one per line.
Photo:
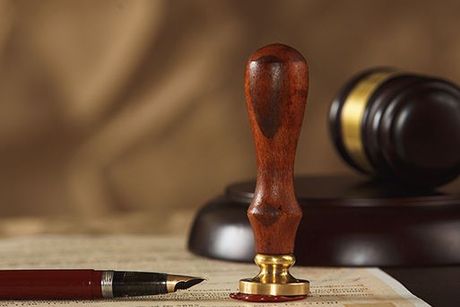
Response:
column 352, row 116
column 274, row 278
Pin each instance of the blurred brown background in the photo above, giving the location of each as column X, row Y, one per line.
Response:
column 131, row 113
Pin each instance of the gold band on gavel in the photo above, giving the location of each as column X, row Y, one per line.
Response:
column 351, row 118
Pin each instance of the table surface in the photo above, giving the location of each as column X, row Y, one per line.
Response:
column 331, row 286
column 438, row 286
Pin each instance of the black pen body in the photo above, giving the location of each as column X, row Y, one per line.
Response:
column 126, row 284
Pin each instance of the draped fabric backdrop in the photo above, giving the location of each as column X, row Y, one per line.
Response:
column 136, row 108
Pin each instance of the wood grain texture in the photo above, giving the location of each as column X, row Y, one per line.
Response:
column 276, row 88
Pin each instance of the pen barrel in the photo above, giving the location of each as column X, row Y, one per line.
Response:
column 50, row 284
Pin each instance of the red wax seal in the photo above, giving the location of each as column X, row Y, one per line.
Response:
column 257, row 298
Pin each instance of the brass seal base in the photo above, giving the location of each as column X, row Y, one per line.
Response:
column 274, row 278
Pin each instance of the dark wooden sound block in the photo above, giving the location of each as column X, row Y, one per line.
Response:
column 347, row 221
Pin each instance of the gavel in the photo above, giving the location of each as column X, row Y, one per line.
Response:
column 399, row 127
column 276, row 88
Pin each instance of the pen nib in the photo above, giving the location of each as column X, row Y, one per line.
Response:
column 178, row 282
column 187, row 284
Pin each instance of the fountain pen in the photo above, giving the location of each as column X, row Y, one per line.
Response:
column 87, row 284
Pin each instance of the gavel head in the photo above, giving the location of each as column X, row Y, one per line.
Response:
column 399, row 126
column 276, row 86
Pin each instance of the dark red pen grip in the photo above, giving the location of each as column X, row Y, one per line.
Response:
column 50, row 284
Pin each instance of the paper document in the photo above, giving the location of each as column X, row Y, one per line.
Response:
column 350, row 287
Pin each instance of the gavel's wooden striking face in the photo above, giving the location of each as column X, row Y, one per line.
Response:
column 276, row 88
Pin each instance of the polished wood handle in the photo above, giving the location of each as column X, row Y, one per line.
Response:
column 276, row 88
